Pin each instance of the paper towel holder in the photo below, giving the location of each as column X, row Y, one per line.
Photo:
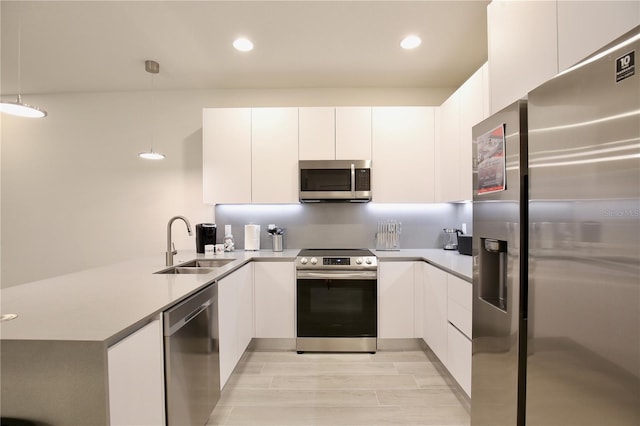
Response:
column 251, row 237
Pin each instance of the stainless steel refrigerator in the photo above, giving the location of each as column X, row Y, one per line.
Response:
column 556, row 247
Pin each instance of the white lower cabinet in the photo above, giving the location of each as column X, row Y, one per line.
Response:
column 235, row 318
column 446, row 316
column 136, row 378
column 275, row 299
column 435, row 310
column 459, row 301
column 396, row 300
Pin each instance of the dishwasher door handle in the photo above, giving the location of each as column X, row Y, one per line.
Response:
column 185, row 320
column 179, row 315
column 197, row 311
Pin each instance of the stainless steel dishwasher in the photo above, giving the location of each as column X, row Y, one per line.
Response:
column 192, row 363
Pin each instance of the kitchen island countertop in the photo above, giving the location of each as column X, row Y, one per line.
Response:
column 106, row 303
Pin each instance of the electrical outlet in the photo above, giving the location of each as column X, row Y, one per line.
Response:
column 464, row 228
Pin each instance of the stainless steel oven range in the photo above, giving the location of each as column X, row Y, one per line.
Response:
column 336, row 300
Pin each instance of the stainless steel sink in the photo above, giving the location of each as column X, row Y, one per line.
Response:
column 182, row 270
column 206, row 263
column 198, row 266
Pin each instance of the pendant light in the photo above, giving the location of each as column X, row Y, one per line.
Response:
column 152, row 67
column 18, row 108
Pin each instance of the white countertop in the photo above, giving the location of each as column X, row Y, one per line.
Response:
column 99, row 304
column 102, row 304
column 449, row 260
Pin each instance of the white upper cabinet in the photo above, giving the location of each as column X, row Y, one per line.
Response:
column 531, row 41
column 226, row 155
column 586, row 26
column 455, row 119
column 403, row 154
column 523, row 49
column 250, row 155
column 317, row 133
column 353, row 133
column 335, row 133
column 471, row 113
column 274, row 155
column 447, row 152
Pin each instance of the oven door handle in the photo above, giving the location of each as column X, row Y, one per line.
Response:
column 337, row 275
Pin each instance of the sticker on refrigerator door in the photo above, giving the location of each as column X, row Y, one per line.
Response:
column 491, row 161
column 625, row 66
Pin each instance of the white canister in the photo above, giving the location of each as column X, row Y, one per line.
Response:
column 252, row 237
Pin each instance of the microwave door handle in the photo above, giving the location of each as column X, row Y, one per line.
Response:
column 353, row 180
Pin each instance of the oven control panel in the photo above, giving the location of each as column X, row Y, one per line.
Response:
column 331, row 262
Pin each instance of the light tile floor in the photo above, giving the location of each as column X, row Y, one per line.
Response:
column 386, row 388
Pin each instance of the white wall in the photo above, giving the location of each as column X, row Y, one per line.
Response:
column 75, row 195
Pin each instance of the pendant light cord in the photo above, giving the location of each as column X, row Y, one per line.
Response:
column 19, row 50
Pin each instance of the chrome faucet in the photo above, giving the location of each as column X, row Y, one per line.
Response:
column 171, row 249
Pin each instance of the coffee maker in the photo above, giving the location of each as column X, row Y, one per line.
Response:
column 205, row 235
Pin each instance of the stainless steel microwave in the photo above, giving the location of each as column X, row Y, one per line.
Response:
column 335, row 180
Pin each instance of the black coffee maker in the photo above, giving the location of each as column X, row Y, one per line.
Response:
column 205, row 235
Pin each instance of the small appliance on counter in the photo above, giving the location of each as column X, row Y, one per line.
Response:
column 205, row 235
column 451, row 238
column 252, row 237
column 464, row 244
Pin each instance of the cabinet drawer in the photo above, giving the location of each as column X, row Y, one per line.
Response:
column 460, row 317
column 459, row 358
column 460, row 291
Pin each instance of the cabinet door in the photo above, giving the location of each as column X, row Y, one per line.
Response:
column 244, row 311
column 274, row 155
column 353, row 133
column 581, row 28
column 523, row 48
column 227, row 326
column 226, row 155
column 136, row 378
column 275, row 284
column 459, row 358
column 447, row 174
column 418, row 300
column 459, row 300
column 435, row 310
column 235, row 318
column 470, row 113
column 317, row 133
column 403, row 154
column 395, row 300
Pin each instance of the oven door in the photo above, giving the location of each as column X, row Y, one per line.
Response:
column 337, row 304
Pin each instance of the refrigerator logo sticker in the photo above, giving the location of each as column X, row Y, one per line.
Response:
column 491, row 161
column 625, row 66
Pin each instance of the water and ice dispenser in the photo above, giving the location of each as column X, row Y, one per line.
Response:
column 493, row 272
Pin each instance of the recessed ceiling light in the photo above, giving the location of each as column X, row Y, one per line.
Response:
column 410, row 42
column 243, row 44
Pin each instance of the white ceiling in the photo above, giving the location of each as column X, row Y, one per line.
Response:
column 88, row 46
